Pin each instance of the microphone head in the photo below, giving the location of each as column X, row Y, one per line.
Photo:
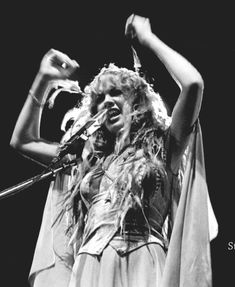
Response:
column 82, row 133
column 96, row 122
column 101, row 116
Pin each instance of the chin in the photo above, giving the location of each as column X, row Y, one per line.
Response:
column 114, row 128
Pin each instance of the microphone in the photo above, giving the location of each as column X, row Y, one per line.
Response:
column 83, row 132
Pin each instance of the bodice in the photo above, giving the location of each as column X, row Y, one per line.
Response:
column 124, row 191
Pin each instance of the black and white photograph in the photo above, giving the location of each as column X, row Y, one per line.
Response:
column 117, row 144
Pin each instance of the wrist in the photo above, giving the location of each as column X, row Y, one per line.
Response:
column 43, row 78
column 37, row 101
column 146, row 39
column 38, row 89
column 40, row 83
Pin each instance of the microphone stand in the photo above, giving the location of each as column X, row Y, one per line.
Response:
column 83, row 132
column 27, row 183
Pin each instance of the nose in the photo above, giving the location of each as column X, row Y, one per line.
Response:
column 108, row 101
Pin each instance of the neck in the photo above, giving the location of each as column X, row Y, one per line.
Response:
column 121, row 143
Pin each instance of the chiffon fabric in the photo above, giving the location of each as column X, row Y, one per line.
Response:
column 140, row 268
column 185, row 264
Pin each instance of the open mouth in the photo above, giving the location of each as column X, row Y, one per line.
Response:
column 113, row 114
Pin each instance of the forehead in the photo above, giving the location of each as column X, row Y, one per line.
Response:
column 107, row 82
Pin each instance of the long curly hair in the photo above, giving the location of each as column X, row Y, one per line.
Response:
column 145, row 122
column 143, row 108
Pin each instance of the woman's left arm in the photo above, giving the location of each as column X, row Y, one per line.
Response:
column 189, row 80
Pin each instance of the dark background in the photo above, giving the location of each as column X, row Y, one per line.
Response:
column 93, row 34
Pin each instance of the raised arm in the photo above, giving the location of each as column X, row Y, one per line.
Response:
column 26, row 135
column 189, row 80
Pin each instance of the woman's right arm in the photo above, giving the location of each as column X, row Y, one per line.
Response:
column 26, row 135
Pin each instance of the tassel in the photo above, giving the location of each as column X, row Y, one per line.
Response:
column 137, row 64
column 60, row 86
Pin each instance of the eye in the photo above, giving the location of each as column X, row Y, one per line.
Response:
column 100, row 98
column 115, row 92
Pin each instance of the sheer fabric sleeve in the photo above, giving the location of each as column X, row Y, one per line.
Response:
column 192, row 220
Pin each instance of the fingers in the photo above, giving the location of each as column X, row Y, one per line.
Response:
column 137, row 27
column 129, row 28
column 62, row 61
column 67, row 66
column 129, row 21
column 56, row 64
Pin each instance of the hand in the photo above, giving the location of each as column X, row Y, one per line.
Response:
column 138, row 27
column 57, row 65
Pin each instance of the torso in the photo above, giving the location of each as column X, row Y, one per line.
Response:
column 115, row 202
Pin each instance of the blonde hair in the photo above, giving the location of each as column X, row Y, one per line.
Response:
column 142, row 102
column 145, row 126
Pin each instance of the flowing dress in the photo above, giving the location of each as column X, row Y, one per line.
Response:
column 125, row 241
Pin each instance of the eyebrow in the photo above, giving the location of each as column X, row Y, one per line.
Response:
column 111, row 90
column 115, row 90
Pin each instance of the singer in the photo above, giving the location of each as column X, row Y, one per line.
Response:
column 135, row 211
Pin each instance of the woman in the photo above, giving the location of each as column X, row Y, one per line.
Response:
column 108, row 221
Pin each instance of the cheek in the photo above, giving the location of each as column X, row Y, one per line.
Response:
column 126, row 108
column 99, row 102
column 121, row 102
column 99, row 106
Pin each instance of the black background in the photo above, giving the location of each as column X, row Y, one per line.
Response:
column 93, row 34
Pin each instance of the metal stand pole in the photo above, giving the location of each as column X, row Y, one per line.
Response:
column 25, row 184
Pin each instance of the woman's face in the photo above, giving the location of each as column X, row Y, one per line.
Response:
column 113, row 99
